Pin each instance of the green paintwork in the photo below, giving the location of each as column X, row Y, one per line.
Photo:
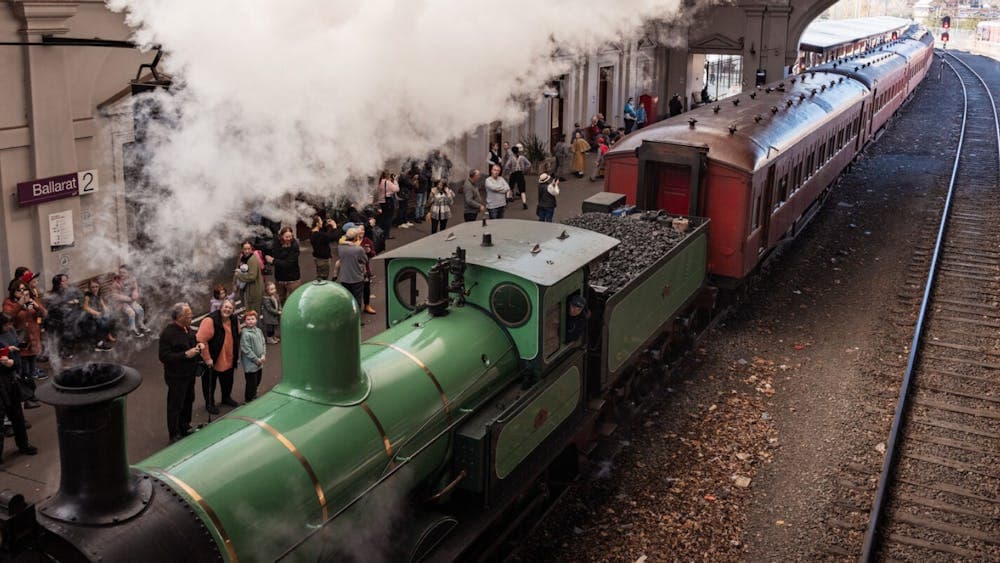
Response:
column 529, row 427
column 643, row 309
column 264, row 497
column 513, row 241
column 479, row 281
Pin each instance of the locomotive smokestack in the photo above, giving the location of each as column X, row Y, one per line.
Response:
column 96, row 486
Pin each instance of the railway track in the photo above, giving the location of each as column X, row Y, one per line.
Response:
column 939, row 493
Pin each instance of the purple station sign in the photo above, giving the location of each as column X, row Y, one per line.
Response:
column 56, row 187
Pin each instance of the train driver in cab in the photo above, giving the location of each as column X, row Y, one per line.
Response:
column 576, row 318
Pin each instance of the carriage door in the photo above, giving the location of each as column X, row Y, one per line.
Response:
column 871, row 114
column 670, row 177
column 673, row 187
column 765, row 210
column 859, row 134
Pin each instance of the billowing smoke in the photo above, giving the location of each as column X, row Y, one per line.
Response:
column 314, row 96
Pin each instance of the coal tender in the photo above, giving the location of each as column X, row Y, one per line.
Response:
column 652, row 280
column 434, row 440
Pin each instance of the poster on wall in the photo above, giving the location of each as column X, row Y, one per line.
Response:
column 61, row 230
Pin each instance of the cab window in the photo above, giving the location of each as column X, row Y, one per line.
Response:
column 410, row 288
column 552, row 329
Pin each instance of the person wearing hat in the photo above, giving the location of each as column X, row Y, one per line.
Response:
column 576, row 318
column 347, row 227
column 27, row 313
column 35, row 294
column 353, row 264
column 548, row 189
column 10, row 391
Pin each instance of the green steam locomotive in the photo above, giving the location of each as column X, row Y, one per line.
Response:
column 431, row 441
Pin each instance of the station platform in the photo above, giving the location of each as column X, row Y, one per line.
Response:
column 38, row 476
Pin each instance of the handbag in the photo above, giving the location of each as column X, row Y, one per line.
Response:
column 200, row 369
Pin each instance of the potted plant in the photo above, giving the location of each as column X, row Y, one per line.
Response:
column 534, row 149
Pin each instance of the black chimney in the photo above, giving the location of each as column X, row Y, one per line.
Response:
column 437, row 290
column 96, row 486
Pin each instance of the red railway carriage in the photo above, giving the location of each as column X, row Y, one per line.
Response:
column 918, row 55
column 884, row 73
column 756, row 164
column 891, row 72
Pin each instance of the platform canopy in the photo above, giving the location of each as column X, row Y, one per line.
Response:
column 822, row 36
column 514, row 248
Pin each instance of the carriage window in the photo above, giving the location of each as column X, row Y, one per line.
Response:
column 782, row 191
column 411, row 288
column 810, row 162
column 822, row 155
column 797, row 177
column 755, row 214
column 830, row 147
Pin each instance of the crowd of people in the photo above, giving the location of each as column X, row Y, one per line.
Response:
column 62, row 322
column 244, row 319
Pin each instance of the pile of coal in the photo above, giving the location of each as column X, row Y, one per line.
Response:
column 644, row 240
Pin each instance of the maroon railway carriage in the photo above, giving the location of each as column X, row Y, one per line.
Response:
column 891, row 72
column 757, row 164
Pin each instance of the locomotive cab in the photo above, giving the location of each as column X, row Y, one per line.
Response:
column 521, row 273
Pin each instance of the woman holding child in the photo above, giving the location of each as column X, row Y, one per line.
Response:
column 249, row 277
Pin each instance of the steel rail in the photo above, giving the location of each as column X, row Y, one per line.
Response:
column 993, row 105
column 872, row 539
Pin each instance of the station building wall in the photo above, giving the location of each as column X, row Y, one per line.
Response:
column 50, row 125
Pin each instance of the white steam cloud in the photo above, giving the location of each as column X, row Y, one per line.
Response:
column 304, row 95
